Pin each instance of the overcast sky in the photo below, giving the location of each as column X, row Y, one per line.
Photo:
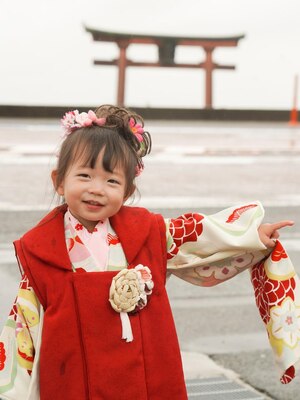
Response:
column 46, row 55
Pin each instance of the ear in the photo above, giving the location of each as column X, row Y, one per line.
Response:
column 59, row 189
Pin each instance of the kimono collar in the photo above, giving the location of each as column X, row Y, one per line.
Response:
column 132, row 225
column 77, row 226
column 46, row 241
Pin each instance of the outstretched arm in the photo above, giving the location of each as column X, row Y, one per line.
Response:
column 268, row 233
column 209, row 249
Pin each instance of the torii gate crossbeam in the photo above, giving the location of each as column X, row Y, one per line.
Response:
column 166, row 52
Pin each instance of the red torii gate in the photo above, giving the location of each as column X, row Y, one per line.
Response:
column 166, row 52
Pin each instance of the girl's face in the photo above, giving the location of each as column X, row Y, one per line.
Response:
column 92, row 194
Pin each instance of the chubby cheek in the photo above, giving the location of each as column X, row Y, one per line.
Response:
column 76, row 188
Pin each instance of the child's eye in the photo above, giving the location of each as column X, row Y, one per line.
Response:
column 84, row 175
column 114, row 181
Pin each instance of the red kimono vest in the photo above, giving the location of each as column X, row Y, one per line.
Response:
column 82, row 355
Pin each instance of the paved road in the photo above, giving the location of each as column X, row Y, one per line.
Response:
column 200, row 166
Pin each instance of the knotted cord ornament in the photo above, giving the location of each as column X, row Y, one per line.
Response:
column 128, row 293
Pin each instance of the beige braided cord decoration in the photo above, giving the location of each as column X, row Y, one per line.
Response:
column 128, row 293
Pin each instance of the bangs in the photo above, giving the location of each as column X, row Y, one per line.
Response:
column 115, row 151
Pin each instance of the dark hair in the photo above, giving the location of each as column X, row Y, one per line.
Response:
column 121, row 147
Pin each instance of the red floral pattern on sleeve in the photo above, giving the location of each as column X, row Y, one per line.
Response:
column 238, row 212
column 269, row 292
column 186, row 228
column 278, row 253
column 2, row 356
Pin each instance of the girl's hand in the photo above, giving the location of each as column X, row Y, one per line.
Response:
column 268, row 233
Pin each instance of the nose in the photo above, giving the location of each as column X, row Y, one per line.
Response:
column 97, row 188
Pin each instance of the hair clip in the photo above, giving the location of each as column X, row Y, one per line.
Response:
column 136, row 129
column 73, row 120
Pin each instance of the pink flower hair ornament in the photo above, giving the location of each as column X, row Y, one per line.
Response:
column 136, row 129
column 73, row 120
column 139, row 170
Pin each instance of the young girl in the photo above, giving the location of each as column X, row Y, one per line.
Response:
column 92, row 318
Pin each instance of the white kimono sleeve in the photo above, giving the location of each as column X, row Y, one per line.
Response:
column 207, row 250
column 20, row 346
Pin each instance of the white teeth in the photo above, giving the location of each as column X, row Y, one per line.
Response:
column 94, row 203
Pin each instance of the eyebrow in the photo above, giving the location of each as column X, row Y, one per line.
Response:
column 120, row 174
column 84, row 167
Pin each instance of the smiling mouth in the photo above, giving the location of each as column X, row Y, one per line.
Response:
column 93, row 203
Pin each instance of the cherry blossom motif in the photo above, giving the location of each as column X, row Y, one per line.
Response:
column 243, row 261
column 186, row 228
column 78, row 227
column 278, row 253
column 213, row 274
column 269, row 292
column 136, row 129
column 238, row 212
column 89, row 118
column 289, row 375
column 286, row 322
column 112, row 239
column 69, row 121
column 2, row 356
column 73, row 120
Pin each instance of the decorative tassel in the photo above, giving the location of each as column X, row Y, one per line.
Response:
column 126, row 327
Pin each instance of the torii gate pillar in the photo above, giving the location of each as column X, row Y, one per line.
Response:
column 122, row 73
column 166, row 51
column 208, row 78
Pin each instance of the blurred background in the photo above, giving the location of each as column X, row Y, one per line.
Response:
column 47, row 57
